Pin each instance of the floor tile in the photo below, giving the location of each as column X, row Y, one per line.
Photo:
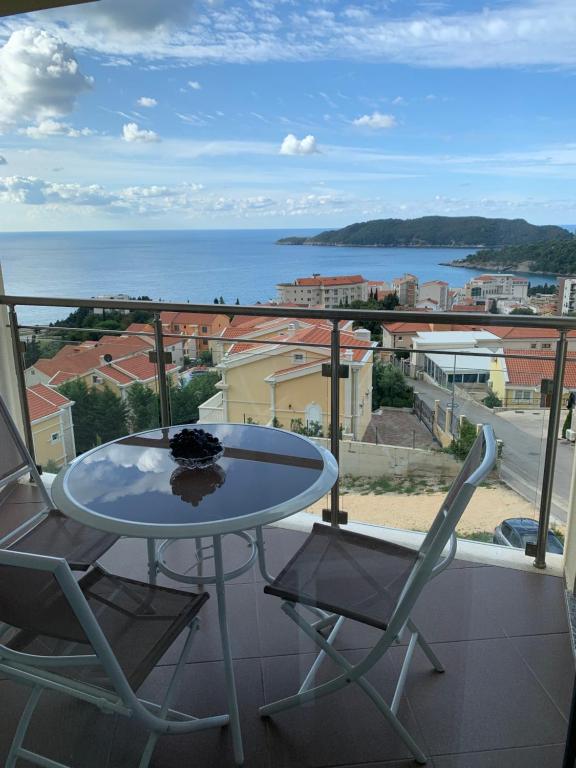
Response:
column 529, row 757
column 202, row 693
column 61, row 728
column 343, row 728
column 550, row 659
column 486, row 699
column 524, row 603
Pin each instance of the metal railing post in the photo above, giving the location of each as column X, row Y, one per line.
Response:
column 161, row 368
column 335, row 416
column 550, row 455
column 21, row 379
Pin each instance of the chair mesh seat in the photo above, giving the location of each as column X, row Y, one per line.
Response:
column 60, row 536
column 347, row 573
column 139, row 620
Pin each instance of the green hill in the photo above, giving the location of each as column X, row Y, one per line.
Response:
column 554, row 258
column 435, row 231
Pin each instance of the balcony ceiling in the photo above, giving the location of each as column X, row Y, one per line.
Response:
column 11, row 7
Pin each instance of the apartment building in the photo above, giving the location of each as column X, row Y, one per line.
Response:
column 324, row 291
column 567, row 295
column 406, row 288
column 485, row 288
column 435, row 292
column 196, row 324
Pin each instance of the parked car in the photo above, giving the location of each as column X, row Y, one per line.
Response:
column 519, row 531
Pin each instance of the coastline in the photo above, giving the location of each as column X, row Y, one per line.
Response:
column 498, row 268
column 383, row 245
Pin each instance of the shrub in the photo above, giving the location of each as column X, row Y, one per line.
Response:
column 492, row 401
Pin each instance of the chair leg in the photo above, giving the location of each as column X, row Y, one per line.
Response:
column 349, row 676
column 430, row 655
column 23, row 725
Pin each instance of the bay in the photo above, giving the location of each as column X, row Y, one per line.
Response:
column 196, row 266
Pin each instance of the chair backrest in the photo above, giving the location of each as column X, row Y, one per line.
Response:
column 477, row 466
column 15, row 459
column 40, row 595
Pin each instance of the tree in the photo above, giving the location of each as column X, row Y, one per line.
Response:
column 185, row 399
column 32, row 352
column 206, row 357
column 111, row 415
column 237, row 302
column 522, row 311
column 493, row 307
column 221, row 300
column 389, row 387
column 144, row 406
column 492, row 400
column 461, row 445
column 83, row 413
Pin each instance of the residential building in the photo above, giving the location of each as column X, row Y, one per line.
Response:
column 323, row 291
column 567, row 295
column 406, row 288
column 428, row 356
column 485, row 288
column 116, row 362
column 518, row 381
column 196, row 324
column 52, row 427
column 401, row 335
column 434, row 291
column 277, row 383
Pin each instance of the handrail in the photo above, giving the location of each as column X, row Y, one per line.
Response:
column 553, row 322
column 563, row 325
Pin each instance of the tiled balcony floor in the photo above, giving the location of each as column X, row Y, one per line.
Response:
column 503, row 700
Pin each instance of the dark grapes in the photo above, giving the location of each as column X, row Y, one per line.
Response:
column 194, row 444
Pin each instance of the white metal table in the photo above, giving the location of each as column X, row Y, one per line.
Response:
column 133, row 487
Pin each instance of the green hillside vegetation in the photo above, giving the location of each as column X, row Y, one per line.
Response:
column 553, row 258
column 435, row 231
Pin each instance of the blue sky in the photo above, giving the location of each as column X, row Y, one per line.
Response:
column 278, row 113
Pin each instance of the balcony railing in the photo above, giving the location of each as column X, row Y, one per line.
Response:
column 340, row 417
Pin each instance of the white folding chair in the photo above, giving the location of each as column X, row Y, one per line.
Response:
column 96, row 640
column 339, row 575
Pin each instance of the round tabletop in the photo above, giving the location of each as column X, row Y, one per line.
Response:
column 134, row 487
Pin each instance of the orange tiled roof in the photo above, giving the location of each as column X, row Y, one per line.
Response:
column 324, row 280
column 43, row 401
column 529, row 373
column 310, row 335
column 309, row 364
column 139, row 367
column 468, row 308
column 189, row 318
column 78, row 360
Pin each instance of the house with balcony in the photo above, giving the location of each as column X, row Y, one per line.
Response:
column 195, row 324
column 487, row 288
column 285, row 374
column 406, row 288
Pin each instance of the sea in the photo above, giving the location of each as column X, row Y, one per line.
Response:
column 196, row 266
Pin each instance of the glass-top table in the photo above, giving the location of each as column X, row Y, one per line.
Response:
column 134, row 487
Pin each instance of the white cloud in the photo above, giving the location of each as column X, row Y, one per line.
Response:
column 39, row 77
column 50, row 127
column 527, row 33
column 131, row 132
column 376, row 121
column 147, row 101
column 194, row 84
column 293, row 146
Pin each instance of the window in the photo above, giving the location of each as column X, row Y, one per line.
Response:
column 298, row 357
column 55, row 437
column 524, row 395
column 546, row 346
column 96, row 379
column 204, row 329
column 533, row 346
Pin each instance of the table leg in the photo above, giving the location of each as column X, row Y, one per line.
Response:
column 152, row 561
column 262, row 555
column 228, row 666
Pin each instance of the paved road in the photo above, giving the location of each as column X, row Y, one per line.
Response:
column 524, row 439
